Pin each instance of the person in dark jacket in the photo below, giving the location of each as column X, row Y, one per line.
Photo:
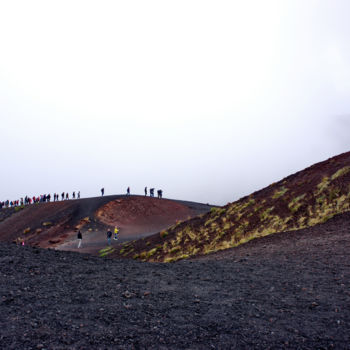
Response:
column 80, row 238
column 109, row 237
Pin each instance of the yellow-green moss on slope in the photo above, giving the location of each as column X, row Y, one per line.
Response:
column 289, row 205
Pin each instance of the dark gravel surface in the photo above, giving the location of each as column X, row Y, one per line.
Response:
column 269, row 299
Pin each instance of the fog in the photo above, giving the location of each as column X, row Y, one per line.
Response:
column 206, row 100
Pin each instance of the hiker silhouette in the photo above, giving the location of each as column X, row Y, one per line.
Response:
column 109, row 237
column 80, row 238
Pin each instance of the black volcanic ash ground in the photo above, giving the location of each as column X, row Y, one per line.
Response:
column 266, row 298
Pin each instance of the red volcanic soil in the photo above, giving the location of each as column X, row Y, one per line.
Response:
column 139, row 216
column 135, row 217
column 43, row 221
column 54, row 225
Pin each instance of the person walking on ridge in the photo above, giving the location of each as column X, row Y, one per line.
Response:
column 146, row 191
column 128, row 191
column 80, row 238
column 109, row 236
column 102, row 191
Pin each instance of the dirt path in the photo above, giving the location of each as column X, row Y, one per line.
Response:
column 94, row 241
column 283, row 291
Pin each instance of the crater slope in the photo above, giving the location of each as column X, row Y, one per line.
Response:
column 54, row 225
column 301, row 200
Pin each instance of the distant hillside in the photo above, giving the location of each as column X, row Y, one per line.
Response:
column 304, row 199
column 54, row 224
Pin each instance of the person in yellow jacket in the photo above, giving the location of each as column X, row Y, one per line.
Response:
column 116, row 233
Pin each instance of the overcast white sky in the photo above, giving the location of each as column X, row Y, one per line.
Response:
column 207, row 100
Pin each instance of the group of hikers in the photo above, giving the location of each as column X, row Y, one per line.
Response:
column 64, row 196
column 151, row 192
column 109, row 236
column 43, row 198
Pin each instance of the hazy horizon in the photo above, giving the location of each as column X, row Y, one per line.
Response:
column 208, row 101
